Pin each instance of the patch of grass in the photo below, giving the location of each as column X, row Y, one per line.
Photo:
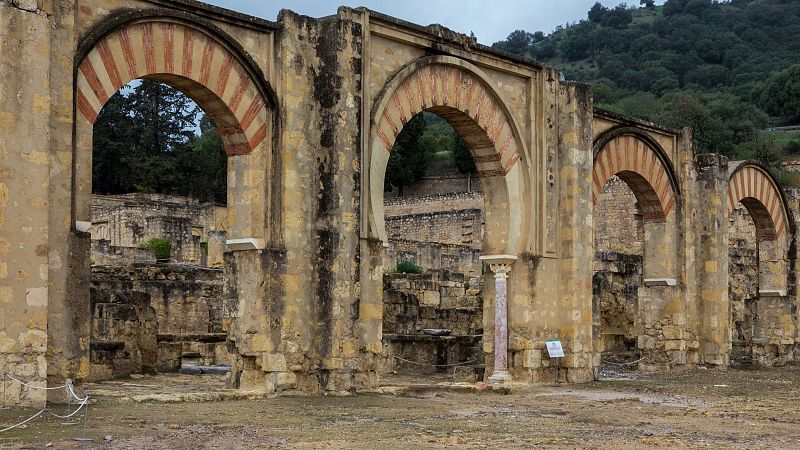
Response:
column 406, row 266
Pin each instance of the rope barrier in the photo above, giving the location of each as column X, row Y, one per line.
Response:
column 436, row 365
column 35, row 387
column 623, row 364
column 84, row 403
column 23, row 422
column 69, row 386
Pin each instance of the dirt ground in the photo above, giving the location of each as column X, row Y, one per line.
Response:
column 755, row 408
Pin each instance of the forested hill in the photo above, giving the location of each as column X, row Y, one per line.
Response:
column 726, row 69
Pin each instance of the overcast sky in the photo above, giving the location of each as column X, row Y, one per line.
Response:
column 490, row 20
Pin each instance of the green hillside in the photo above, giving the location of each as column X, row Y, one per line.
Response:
column 727, row 69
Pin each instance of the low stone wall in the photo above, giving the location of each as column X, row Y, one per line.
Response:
column 773, row 327
column 436, row 299
column 445, row 184
column 104, row 254
column 149, row 317
column 615, row 293
column 430, row 255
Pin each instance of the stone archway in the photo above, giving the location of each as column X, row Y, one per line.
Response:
column 458, row 92
column 197, row 62
column 207, row 65
column 652, row 265
column 760, row 326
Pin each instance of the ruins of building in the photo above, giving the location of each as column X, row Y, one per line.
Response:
column 121, row 223
column 308, row 110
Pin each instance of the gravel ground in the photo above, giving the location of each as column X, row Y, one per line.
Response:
column 756, row 408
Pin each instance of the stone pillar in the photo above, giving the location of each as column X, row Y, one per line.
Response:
column 501, row 266
column 712, row 258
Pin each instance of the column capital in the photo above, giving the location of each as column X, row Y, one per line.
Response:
column 500, row 264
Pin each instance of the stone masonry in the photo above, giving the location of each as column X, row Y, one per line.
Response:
column 308, row 110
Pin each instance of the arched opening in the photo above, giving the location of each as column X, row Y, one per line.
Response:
column 159, row 179
column 457, row 93
column 759, row 331
column 432, row 298
column 618, row 272
column 635, row 239
column 202, row 190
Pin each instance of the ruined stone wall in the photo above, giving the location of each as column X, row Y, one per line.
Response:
column 436, row 299
column 123, row 339
column 743, row 268
column 430, row 255
column 615, row 293
column 617, row 221
column 462, row 227
column 146, row 317
column 454, row 218
column 132, row 219
column 443, row 184
column 104, row 254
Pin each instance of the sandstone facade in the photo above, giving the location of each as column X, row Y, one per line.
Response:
column 307, row 110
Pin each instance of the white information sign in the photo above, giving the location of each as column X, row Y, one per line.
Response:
column 554, row 349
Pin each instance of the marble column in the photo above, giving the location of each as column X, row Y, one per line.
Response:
column 501, row 266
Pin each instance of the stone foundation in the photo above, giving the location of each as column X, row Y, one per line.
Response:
column 149, row 317
column 436, row 300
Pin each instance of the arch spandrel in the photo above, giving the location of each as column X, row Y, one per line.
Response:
column 458, row 92
column 186, row 58
column 754, row 187
column 638, row 164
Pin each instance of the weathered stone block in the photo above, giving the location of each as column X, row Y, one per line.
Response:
column 274, row 362
column 532, row 358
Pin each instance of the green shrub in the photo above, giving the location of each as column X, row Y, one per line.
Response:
column 406, row 266
column 161, row 246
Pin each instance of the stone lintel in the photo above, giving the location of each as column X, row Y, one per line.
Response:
column 244, row 244
column 82, row 226
column 771, row 293
column 660, row 282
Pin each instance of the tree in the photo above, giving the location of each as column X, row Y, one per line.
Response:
column 648, row 3
column 781, row 95
column 408, row 160
column 619, row 17
column 518, row 42
column 687, row 110
column 203, row 164
column 140, row 143
column 597, row 12
column 763, row 149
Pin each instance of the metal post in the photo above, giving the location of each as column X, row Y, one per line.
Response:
column 44, row 419
column 83, row 438
column 69, row 404
column 5, row 376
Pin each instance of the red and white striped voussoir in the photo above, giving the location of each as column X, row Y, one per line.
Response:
column 190, row 60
